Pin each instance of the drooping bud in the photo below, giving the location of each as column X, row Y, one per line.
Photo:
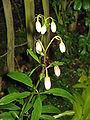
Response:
column 38, row 47
column 43, row 29
column 47, row 83
column 53, row 26
column 62, row 47
column 57, row 71
column 38, row 26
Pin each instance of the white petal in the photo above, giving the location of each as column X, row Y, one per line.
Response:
column 38, row 47
column 57, row 71
column 62, row 47
column 53, row 26
column 38, row 26
column 43, row 29
column 47, row 83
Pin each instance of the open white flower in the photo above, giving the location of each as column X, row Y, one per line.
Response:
column 53, row 26
column 43, row 29
column 38, row 47
column 38, row 26
column 57, row 70
column 62, row 47
column 47, row 83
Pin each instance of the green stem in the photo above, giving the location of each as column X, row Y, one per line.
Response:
column 26, row 103
column 63, row 114
column 57, row 38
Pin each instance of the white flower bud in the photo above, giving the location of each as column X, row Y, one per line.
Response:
column 62, row 47
column 57, row 71
column 43, row 29
column 53, row 26
column 38, row 47
column 47, row 83
column 38, row 26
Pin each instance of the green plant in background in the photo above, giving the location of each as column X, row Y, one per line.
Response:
column 82, row 104
column 67, row 21
column 29, row 103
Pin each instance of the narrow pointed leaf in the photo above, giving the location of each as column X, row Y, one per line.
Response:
column 33, row 55
column 77, row 4
column 12, row 97
column 50, row 109
column 10, row 106
column 60, row 92
column 6, row 116
column 37, row 109
column 21, row 77
column 86, row 4
column 47, row 117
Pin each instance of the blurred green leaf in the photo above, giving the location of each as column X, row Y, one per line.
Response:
column 77, row 4
column 77, row 106
column 60, row 92
column 55, row 63
column 79, row 85
column 21, row 77
column 86, row 4
column 87, row 22
column 89, row 47
column 6, row 116
column 12, row 97
column 47, row 117
column 12, row 89
column 33, row 55
column 86, row 108
column 28, row 107
column 10, row 106
column 50, row 109
column 37, row 109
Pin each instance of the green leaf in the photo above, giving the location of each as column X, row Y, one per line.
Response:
column 12, row 97
column 89, row 47
column 12, row 89
column 56, row 63
column 21, row 77
column 47, row 117
column 86, row 108
column 10, row 106
column 87, row 22
column 77, row 4
column 28, row 107
column 79, row 85
column 50, row 109
column 86, row 4
column 43, row 97
column 6, row 116
column 78, row 105
column 60, row 92
column 33, row 55
column 37, row 109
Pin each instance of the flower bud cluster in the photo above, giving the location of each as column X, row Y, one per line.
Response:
column 43, row 28
column 41, row 50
